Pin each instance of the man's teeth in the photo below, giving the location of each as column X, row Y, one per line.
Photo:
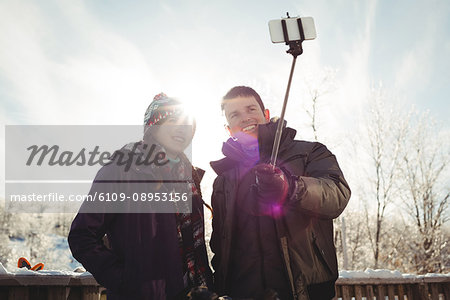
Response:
column 248, row 128
column 178, row 139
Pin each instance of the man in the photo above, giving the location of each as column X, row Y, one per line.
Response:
column 273, row 228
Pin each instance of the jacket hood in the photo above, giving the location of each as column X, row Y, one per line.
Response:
column 234, row 153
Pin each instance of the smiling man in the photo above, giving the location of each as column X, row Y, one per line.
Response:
column 273, row 227
column 244, row 113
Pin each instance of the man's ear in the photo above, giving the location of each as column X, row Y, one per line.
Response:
column 228, row 129
column 267, row 115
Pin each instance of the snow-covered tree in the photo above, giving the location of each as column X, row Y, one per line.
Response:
column 386, row 132
column 427, row 191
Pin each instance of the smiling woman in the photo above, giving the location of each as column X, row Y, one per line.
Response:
column 167, row 121
column 158, row 253
column 175, row 135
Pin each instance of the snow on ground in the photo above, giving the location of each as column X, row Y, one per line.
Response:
column 383, row 273
column 25, row 271
column 61, row 254
column 58, row 255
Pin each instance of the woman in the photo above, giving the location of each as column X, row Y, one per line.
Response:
column 156, row 253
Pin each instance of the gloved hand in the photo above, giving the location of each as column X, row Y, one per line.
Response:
column 272, row 185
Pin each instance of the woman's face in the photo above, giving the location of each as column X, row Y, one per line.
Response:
column 175, row 134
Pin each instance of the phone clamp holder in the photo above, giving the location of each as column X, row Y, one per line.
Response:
column 295, row 48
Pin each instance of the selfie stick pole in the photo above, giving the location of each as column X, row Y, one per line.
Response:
column 295, row 48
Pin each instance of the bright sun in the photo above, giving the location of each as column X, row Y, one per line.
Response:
column 204, row 106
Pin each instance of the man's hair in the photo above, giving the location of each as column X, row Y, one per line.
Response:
column 242, row 91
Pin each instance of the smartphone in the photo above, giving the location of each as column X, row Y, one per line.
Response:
column 298, row 29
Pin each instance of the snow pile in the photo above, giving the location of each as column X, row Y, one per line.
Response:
column 25, row 271
column 434, row 275
column 370, row 273
column 383, row 273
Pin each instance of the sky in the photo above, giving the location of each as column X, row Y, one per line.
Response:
column 101, row 62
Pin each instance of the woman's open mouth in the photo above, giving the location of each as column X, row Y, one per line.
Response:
column 179, row 139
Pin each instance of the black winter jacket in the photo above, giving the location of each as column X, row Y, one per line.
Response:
column 305, row 232
column 143, row 259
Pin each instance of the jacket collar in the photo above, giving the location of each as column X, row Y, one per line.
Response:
column 200, row 173
column 234, row 155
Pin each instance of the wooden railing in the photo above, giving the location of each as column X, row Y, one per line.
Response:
column 68, row 287
column 49, row 287
column 412, row 288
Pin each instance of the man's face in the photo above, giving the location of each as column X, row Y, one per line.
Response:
column 174, row 135
column 243, row 115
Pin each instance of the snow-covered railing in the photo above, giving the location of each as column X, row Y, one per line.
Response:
column 392, row 285
column 370, row 284
column 54, row 285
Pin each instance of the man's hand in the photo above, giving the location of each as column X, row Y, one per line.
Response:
column 272, row 184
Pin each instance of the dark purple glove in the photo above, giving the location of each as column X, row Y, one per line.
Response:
column 272, row 184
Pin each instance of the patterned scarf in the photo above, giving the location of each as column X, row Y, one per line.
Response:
column 190, row 231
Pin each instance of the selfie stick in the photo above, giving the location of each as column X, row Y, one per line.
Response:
column 295, row 48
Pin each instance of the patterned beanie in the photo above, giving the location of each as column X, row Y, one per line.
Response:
column 161, row 108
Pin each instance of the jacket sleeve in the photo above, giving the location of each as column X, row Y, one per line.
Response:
column 323, row 190
column 87, row 246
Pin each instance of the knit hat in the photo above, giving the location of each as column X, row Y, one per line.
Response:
column 161, row 108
